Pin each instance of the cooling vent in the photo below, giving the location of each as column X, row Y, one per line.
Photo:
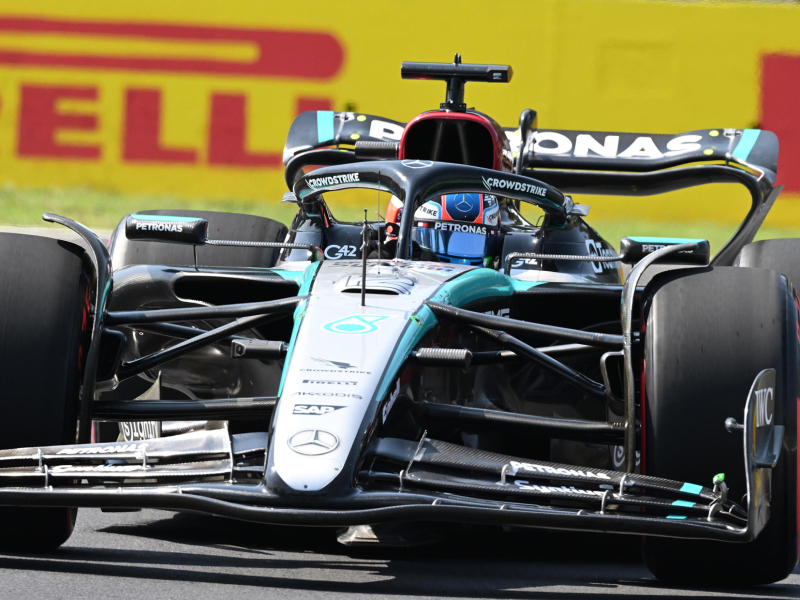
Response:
column 376, row 284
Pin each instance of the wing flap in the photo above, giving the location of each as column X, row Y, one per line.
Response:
column 641, row 152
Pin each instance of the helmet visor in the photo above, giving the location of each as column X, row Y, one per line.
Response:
column 450, row 240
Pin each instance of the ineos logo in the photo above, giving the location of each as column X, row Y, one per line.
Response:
column 334, row 252
column 417, row 164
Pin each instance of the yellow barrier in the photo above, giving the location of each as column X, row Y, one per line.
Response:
column 194, row 97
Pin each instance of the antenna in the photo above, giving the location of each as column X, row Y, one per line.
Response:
column 456, row 75
column 364, row 249
column 380, row 255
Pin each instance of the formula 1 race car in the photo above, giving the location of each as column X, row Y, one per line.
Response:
column 457, row 361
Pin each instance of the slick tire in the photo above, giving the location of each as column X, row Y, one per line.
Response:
column 45, row 295
column 782, row 256
column 221, row 226
column 709, row 332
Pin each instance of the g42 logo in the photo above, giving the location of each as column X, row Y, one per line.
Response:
column 334, row 252
column 356, row 324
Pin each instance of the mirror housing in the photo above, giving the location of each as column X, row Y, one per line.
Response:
column 162, row 228
column 633, row 249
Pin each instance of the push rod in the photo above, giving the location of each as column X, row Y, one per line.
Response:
column 182, row 332
column 544, row 361
column 467, row 317
column 599, row 431
column 140, row 365
column 201, row 312
column 183, row 410
column 491, row 357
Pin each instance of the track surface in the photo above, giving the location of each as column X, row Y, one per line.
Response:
column 153, row 554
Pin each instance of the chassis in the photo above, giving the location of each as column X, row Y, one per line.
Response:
column 376, row 398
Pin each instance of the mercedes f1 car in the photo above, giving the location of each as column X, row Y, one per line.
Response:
column 457, row 361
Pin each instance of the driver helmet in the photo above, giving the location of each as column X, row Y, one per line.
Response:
column 459, row 228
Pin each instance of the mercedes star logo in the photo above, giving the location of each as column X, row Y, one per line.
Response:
column 417, row 164
column 313, row 442
column 465, row 204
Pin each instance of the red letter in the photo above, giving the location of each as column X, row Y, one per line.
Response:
column 228, row 133
column 39, row 122
column 143, row 130
column 310, row 104
column 780, row 112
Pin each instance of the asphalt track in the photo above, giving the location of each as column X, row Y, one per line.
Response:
column 152, row 554
column 155, row 554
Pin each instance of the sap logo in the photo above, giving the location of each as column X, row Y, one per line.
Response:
column 500, row 312
column 381, row 130
column 765, row 406
column 642, row 147
column 333, row 180
column 387, row 408
column 314, row 409
column 334, row 252
column 595, row 250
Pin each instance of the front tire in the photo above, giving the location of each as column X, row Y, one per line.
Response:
column 709, row 332
column 44, row 323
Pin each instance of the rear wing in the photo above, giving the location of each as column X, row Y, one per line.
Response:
column 580, row 162
column 324, row 128
column 560, row 148
column 642, row 152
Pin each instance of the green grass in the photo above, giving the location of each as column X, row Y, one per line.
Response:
column 103, row 210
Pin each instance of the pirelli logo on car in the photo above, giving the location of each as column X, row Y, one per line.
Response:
column 495, row 184
column 318, row 182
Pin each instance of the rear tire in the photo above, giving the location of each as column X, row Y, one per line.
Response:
column 709, row 333
column 782, row 256
column 44, row 323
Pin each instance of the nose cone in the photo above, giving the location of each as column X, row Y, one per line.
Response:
column 310, row 474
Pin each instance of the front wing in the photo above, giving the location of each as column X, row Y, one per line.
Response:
column 221, row 474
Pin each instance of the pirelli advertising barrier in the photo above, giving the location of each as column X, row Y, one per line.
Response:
column 194, row 98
